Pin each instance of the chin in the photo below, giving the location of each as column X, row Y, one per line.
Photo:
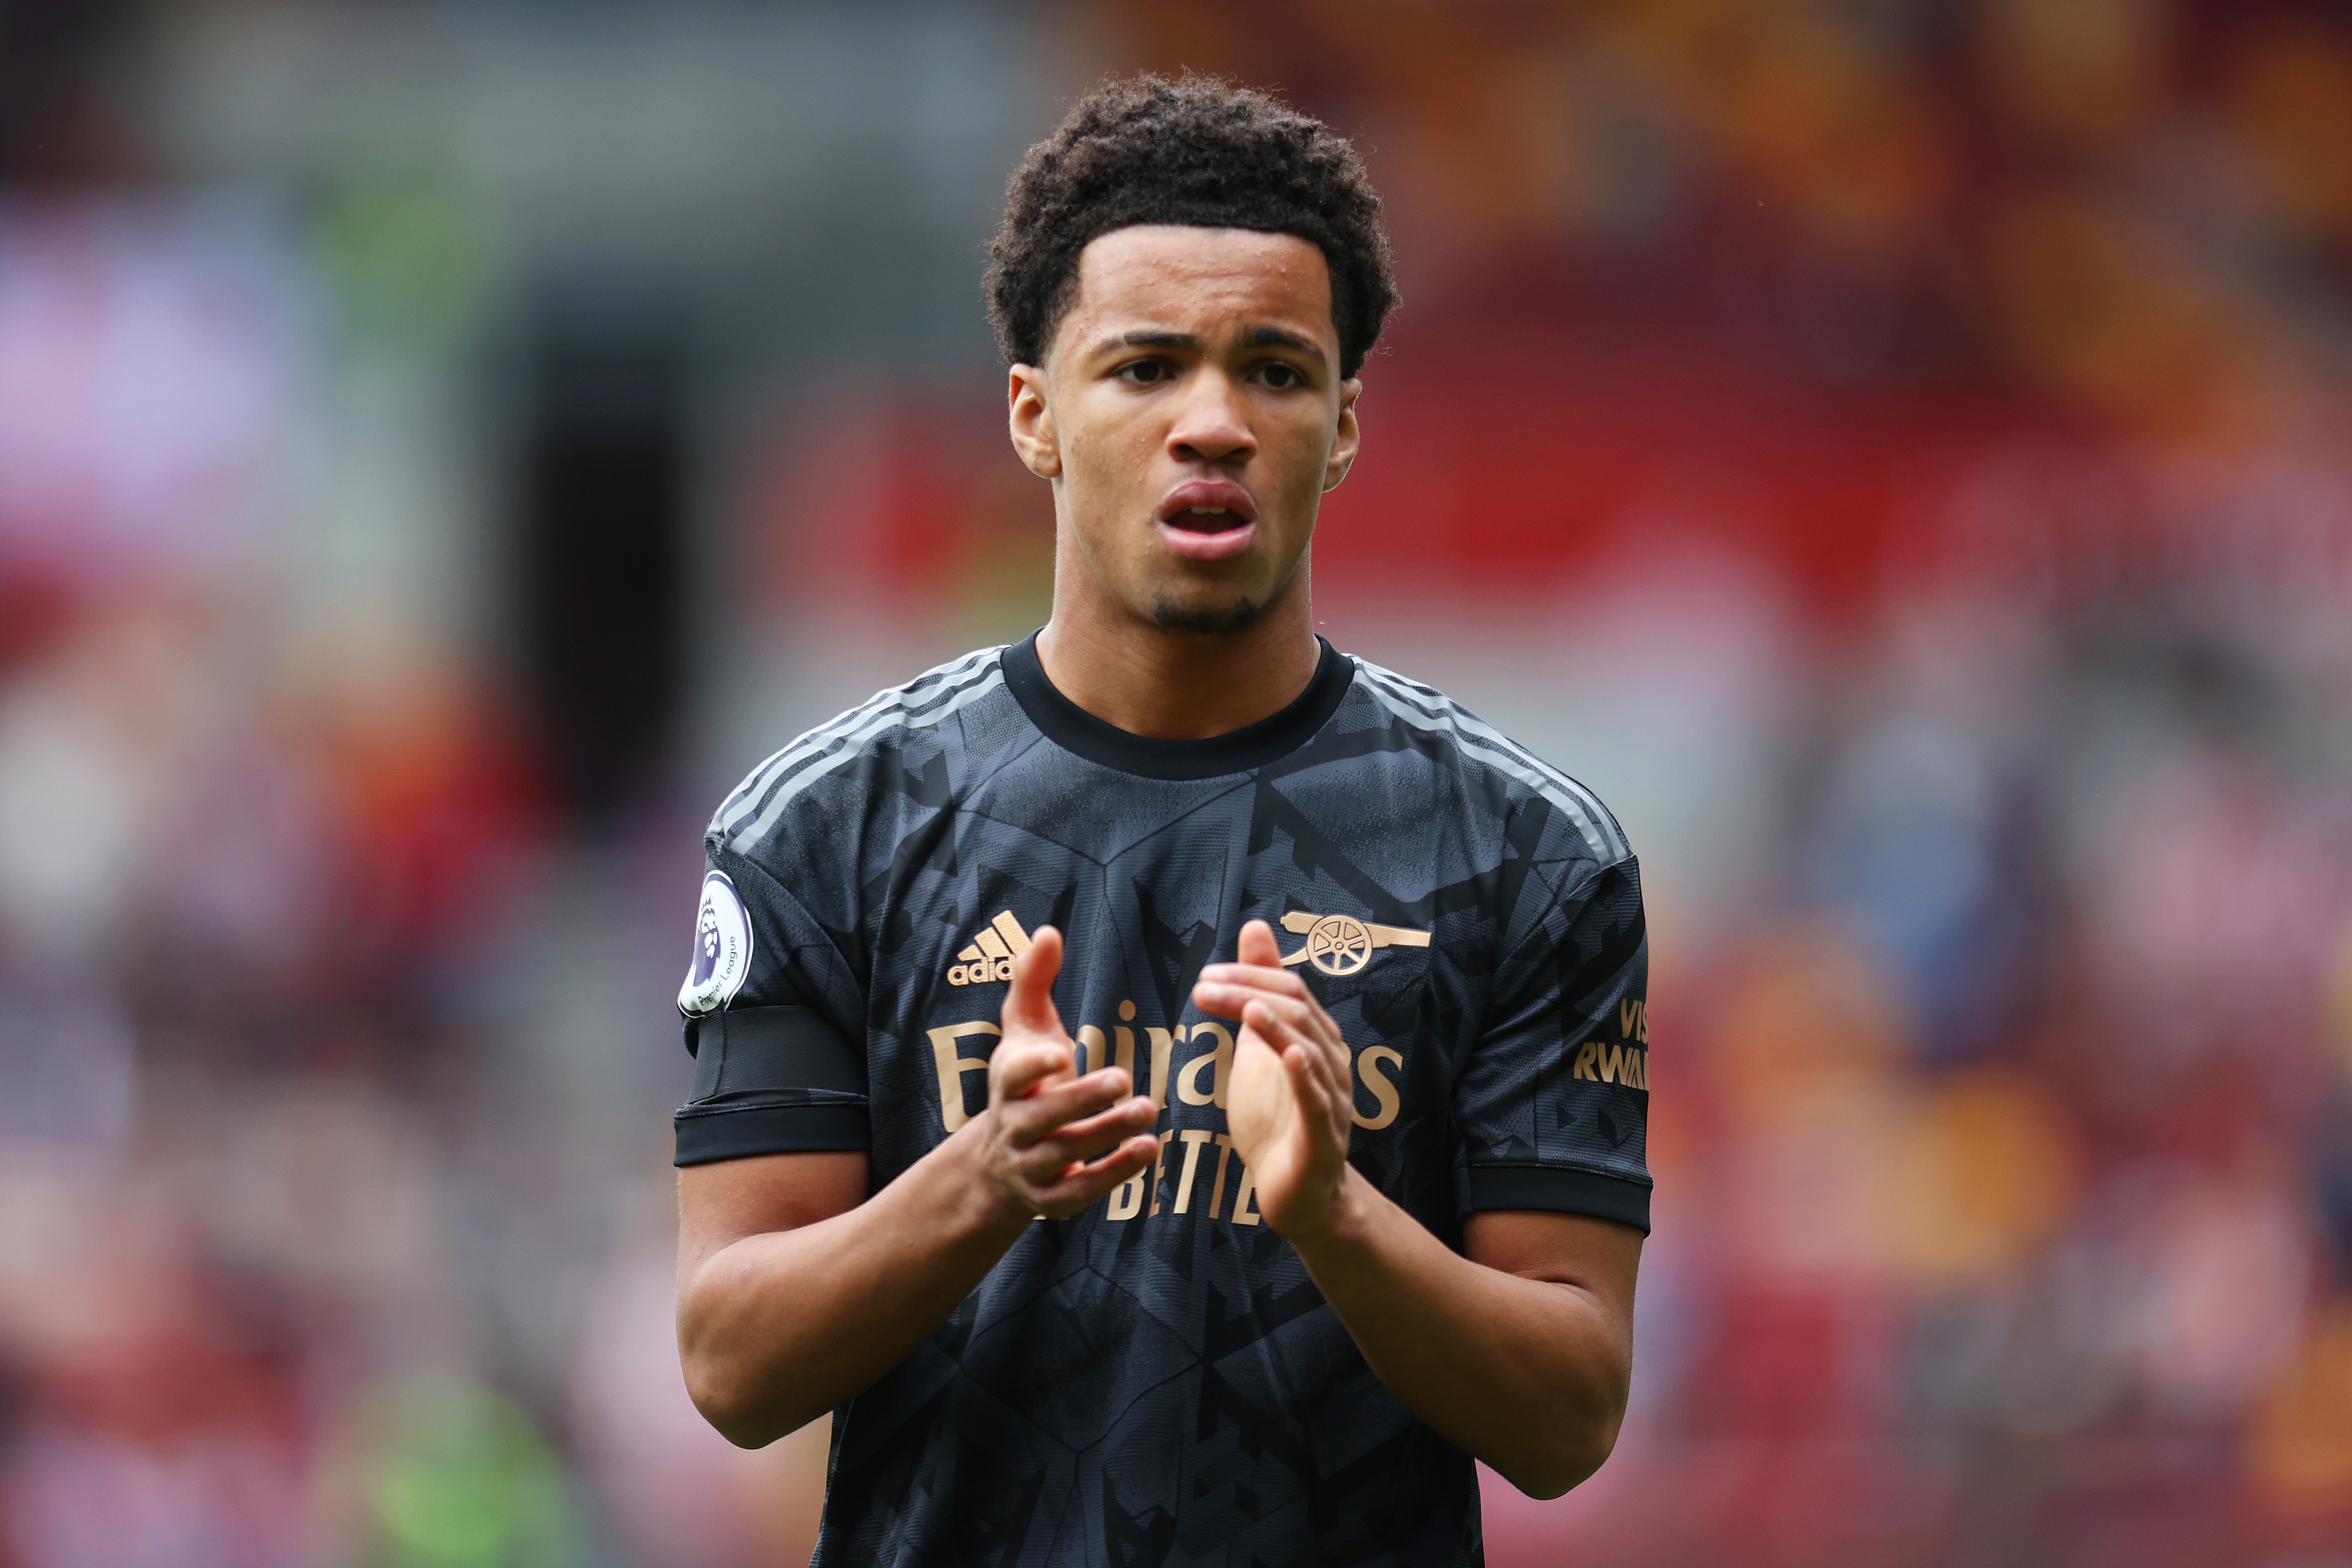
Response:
column 1214, row 619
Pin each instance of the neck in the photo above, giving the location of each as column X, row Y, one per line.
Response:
column 1180, row 686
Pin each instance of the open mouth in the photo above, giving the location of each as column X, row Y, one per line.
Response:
column 1208, row 519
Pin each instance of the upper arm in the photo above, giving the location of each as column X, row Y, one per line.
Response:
column 775, row 1132
column 722, row 1203
column 1597, row 1257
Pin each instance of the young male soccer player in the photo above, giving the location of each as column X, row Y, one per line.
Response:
column 1175, row 1092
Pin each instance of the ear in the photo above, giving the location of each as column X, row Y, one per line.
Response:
column 1347, row 438
column 1032, row 422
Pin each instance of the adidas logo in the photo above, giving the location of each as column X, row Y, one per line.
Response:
column 991, row 954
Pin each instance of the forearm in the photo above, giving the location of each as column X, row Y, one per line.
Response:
column 1530, row 1375
column 776, row 1328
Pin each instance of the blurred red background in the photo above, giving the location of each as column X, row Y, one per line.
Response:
column 1894, row 452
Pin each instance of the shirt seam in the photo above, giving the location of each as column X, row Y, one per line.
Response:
column 1561, row 1165
column 694, row 1108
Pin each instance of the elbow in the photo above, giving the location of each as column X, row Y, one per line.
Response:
column 1574, row 1453
column 1556, row 1476
column 740, row 1406
column 726, row 1402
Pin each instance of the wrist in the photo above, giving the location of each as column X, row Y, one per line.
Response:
column 1346, row 1222
column 982, row 1205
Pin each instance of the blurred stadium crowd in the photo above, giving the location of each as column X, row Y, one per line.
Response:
column 1899, row 452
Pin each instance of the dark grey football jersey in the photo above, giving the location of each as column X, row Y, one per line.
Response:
column 1157, row 1381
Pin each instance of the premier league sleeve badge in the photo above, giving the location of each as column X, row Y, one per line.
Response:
column 723, row 949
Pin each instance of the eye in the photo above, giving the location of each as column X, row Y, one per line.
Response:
column 1281, row 377
column 1143, row 372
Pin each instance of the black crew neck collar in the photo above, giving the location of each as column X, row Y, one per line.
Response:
column 1074, row 729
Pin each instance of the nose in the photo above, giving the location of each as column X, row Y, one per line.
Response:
column 1211, row 422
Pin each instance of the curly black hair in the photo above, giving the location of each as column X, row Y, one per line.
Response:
column 1192, row 150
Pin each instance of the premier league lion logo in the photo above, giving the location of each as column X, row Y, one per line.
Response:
column 707, row 944
column 723, row 949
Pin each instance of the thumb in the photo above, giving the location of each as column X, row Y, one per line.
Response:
column 1258, row 947
column 1029, row 1000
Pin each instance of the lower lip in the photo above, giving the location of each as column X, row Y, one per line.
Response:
column 1195, row 546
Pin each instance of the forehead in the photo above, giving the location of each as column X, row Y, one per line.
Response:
column 1173, row 278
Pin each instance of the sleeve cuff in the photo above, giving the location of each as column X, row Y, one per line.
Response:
column 706, row 1137
column 1556, row 1189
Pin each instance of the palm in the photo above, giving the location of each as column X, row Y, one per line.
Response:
column 1268, row 1128
column 1280, row 1133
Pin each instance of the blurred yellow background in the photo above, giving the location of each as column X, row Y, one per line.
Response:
column 1898, row 452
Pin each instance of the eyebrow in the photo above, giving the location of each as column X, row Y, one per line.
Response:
column 1275, row 337
column 1254, row 337
column 1148, row 341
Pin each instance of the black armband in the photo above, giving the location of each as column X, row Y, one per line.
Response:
column 771, row 1080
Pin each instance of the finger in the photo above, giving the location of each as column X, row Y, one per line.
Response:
column 1308, row 1083
column 1118, row 1077
column 1264, row 1024
column 1304, row 1020
column 1225, row 988
column 1255, row 977
column 1283, row 1032
column 1089, row 1136
column 1080, row 1185
column 1017, row 1071
column 1049, row 1164
column 1316, row 1030
column 1065, row 1188
column 1111, row 1122
column 1235, row 997
column 1225, row 998
column 1257, row 946
column 1048, row 1109
column 1029, row 1000
column 1273, row 1025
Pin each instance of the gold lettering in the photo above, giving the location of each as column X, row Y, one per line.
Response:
column 1163, row 1050
column 1217, row 1192
column 1126, row 1038
column 1094, row 1051
column 1191, row 1138
column 1127, row 1200
column 1612, row 1062
column 1629, row 1017
column 1245, row 1209
column 1188, row 1082
column 1368, row 1068
column 953, row 1067
column 1159, row 1169
column 1584, row 1055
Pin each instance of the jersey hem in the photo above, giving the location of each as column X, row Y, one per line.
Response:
column 1556, row 1189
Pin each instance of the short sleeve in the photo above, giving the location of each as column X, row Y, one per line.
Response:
column 775, row 1069
column 1554, row 1102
